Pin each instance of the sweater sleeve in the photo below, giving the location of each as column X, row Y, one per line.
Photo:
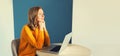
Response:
column 47, row 38
column 31, row 39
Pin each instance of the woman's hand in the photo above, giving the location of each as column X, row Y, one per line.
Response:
column 42, row 25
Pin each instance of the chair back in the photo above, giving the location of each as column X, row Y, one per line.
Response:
column 15, row 46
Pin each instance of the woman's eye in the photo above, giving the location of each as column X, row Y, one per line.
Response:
column 42, row 15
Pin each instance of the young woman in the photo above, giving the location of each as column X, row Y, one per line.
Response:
column 34, row 35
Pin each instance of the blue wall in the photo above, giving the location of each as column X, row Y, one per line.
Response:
column 58, row 16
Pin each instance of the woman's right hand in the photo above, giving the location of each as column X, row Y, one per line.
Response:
column 41, row 26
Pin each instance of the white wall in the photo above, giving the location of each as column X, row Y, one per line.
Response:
column 6, row 27
column 96, row 25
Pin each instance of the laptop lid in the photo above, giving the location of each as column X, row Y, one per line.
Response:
column 65, row 41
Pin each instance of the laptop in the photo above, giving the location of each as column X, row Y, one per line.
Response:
column 58, row 48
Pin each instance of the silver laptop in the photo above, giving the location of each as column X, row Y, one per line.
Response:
column 57, row 48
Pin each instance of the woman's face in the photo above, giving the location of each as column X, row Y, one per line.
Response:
column 40, row 16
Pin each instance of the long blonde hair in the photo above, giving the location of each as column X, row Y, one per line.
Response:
column 32, row 17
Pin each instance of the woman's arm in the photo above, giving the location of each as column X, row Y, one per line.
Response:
column 46, row 35
column 42, row 27
column 47, row 38
column 31, row 39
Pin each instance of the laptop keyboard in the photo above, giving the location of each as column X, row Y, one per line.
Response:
column 56, row 49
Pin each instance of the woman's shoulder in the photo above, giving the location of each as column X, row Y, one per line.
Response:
column 25, row 26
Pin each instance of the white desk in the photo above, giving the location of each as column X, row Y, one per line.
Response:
column 71, row 50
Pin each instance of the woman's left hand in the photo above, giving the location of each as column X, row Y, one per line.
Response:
column 44, row 25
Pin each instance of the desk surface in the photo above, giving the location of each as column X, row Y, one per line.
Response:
column 71, row 50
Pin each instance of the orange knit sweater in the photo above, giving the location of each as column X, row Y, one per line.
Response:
column 30, row 41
